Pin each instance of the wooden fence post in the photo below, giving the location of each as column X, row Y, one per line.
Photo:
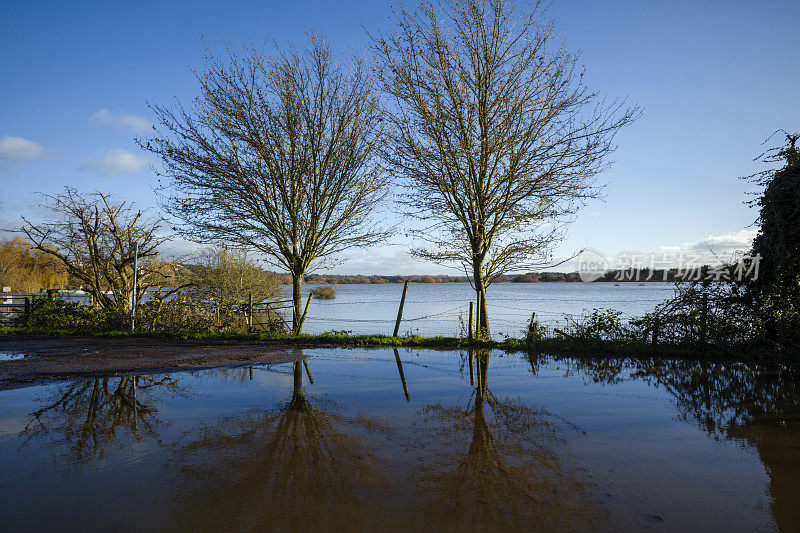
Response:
column 303, row 319
column 27, row 311
column 250, row 315
column 400, row 310
column 478, row 319
column 469, row 329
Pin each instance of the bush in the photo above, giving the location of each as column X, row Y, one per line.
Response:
column 601, row 324
column 324, row 293
column 702, row 313
column 536, row 331
column 60, row 314
column 183, row 315
column 190, row 313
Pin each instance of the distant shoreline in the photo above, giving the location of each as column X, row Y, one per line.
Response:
column 539, row 277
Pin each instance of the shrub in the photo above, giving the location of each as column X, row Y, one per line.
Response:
column 600, row 324
column 324, row 293
column 702, row 312
column 536, row 331
column 191, row 313
column 60, row 314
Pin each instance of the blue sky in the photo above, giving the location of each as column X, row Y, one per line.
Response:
column 714, row 80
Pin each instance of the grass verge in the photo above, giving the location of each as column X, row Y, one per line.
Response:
column 567, row 346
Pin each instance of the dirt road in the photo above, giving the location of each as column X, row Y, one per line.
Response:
column 27, row 360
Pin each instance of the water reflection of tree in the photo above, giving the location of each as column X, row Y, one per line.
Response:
column 300, row 466
column 751, row 402
column 85, row 419
column 499, row 470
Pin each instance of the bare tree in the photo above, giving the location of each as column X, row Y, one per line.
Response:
column 277, row 155
column 494, row 131
column 93, row 237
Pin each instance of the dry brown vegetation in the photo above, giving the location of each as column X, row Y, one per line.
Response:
column 26, row 269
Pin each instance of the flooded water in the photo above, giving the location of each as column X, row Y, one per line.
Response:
column 408, row 440
column 6, row 355
column 441, row 308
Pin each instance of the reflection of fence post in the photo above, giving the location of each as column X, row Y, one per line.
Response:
column 469, row 329
column 135, row 404
column 250, row 314
column 471, row 368
column 134, row 294
column 305, row 364
column 400, row 311
column 656, row 324
column 402, row 375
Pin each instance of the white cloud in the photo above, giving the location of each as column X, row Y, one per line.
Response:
column 134, row 123
column 711, row 250
column 722, row 245
column 19, row 148
column 117, row 162
column 179, row 248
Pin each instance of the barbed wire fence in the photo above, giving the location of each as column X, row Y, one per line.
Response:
column 377, row 316
column 504, row 320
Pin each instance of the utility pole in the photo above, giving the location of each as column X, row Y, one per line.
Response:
column 135, row 284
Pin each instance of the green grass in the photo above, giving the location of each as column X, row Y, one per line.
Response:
column 549, row 346
column 338, row 339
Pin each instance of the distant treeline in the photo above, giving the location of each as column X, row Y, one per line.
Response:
column 616, row 276
column 25, row 269
column 344, row 279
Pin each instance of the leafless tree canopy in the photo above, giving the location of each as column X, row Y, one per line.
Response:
column 93, row 236
column 493, row 129
column 277, row 155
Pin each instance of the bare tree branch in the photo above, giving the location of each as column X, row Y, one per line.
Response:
column 493, row 131
column 276, row 155
column 93, row 237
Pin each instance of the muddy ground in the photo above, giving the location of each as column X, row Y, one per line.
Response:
column 27, row 360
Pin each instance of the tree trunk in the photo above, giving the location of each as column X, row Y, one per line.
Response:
column 482, row 312
column 297, row 302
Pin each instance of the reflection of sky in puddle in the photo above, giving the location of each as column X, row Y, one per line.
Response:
column 10, row 356
column 382, row 439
